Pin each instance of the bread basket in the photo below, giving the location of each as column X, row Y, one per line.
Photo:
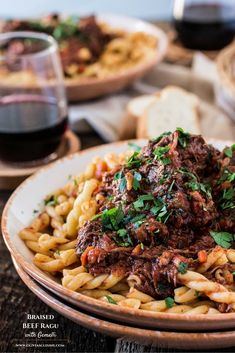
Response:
column 225, row 86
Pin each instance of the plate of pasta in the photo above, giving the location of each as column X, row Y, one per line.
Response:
column 99, row 54
column 144, row 237
column 166, row 339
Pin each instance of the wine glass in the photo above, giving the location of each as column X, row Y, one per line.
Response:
column 33, row 107
column 204, row 24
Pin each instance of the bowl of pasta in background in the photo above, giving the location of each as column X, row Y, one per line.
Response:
column 180, row 340
column 121, row 63
column 27, row 200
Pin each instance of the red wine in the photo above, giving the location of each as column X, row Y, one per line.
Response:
column 206, row 26
column 30, row 127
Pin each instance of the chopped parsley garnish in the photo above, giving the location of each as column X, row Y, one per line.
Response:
column 196, row 186
column 123, row 238
column 223, row 239
column 185, row 171
column 169, row 302
column 183, row 137
column 182, row 268
column 137, row 218
column 112, row 218
column 141, row 246
column 227, row 200
column 122, row 184
column 159, row 154
column 122, row 232
column 160, row 210
column 133, row 161
column 228, row 151
column 136, row 180
column 135, row 147
column 139, row 203
column 226, row 176
column 111, row 300
column 51, row 201
column 158, row 207
column 157, row 139
column 164, row 177
column 118, row 175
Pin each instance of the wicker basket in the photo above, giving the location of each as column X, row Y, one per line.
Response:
column 225, row 87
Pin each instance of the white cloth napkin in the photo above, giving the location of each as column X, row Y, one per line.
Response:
column 104, row 115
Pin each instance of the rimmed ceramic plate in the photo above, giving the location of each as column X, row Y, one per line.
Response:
column 18, row 213
column 79, row 89
column 180, row 340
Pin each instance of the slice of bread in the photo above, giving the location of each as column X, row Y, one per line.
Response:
column 137, row 106
column 134, row 110
column 173, row 108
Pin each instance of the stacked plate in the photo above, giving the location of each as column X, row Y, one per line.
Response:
column 162, row 329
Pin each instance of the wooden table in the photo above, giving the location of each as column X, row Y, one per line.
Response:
column 16, row 300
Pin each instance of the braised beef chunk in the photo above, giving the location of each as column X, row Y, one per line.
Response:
column 170, row 201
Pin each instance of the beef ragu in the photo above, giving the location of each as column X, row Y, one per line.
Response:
column 81, row 40
column 162, row 212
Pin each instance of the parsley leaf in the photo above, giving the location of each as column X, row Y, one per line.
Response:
column 182, row 268
column 111, row 300
column 226, row 176
column 157, row 139
column 136, row 180
column 51, row 201
column 125, row 240
column 185, row 171
column 122, row 184
column 118, row 175
column 122, row 232
column 196, row 186
column 159, row 154
column 164, row 177
column 133, row 161
column 139, row 203
column 223, row 239
column 169, row 302
column 228, row 151
column 160, row 210
column 135, row 147
column 112, row 218
column 227, row 199
column 183, row 137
